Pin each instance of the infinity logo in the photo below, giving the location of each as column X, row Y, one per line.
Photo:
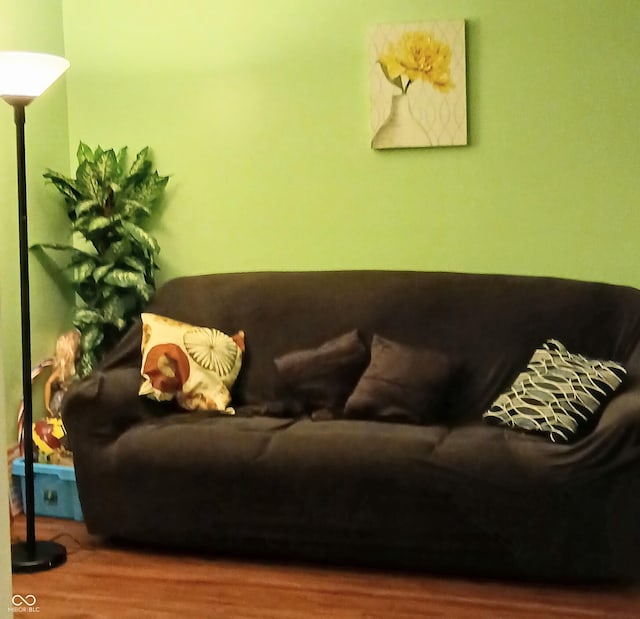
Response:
column 28, row 600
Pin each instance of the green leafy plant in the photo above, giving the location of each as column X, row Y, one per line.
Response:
column 112, row 260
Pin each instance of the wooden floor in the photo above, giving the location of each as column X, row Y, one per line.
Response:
column 103, row 581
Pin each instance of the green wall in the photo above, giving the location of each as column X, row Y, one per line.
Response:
column 33, row 25
column 260, row 111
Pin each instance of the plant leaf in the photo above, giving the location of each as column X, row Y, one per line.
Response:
column 75, row 252
column 145, row 291
column 82, row 271
column 84, row 207
column 91, row 337
column 146, row 240
column 142, row 163
column 113, row 311
column 150, row 189
column 66, row 186
column 136, row 263
column 83, row 316
column 80, row 225
column 107, row 167
column 84, row 153
column 87, row 181
column 85, row 364
column 122, row 160
column 101, row 271
column 98, row 223
column 122, row 278
column 133, row 208
column 117, row 250
column 97, row 153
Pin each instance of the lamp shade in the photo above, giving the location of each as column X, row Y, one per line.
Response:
column 29, row 74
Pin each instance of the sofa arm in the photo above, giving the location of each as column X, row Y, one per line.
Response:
column 622, row 414
column 624, row 408
column 616, row 438
column 98, row 409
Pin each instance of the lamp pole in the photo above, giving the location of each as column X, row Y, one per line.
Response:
column 25, row 312
column 23, row 77
column 31, row 555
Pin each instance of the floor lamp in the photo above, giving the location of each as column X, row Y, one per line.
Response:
column 23, row 77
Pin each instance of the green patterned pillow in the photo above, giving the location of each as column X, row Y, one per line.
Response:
column 557, row 395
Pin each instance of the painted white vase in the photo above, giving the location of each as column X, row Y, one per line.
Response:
column 400, row 129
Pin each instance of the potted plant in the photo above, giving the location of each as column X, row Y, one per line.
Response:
column 112, row 258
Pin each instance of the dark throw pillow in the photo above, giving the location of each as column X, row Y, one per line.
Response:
column 558, row 395
column 323, row 377
column 402, row 384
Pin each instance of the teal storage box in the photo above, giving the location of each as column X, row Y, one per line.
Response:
column 55, row 490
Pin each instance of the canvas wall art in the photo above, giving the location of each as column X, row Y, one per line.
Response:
column 418, row 85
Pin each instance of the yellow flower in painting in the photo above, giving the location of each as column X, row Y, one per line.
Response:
column 417, row 56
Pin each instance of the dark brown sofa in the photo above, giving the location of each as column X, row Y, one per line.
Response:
column 456, row 495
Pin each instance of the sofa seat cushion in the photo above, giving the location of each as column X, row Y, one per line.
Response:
column 270, row 474
column 349, row 489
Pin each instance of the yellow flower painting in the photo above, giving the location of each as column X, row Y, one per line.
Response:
column 417, row 56
column 418, row 93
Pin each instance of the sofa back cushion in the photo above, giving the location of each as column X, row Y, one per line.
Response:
column 491, row 324
column 403, row 383
column 321, row 378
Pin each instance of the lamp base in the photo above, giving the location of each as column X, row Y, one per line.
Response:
column 43, row 556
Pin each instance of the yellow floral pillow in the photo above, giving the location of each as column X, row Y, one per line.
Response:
column 195, row 365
